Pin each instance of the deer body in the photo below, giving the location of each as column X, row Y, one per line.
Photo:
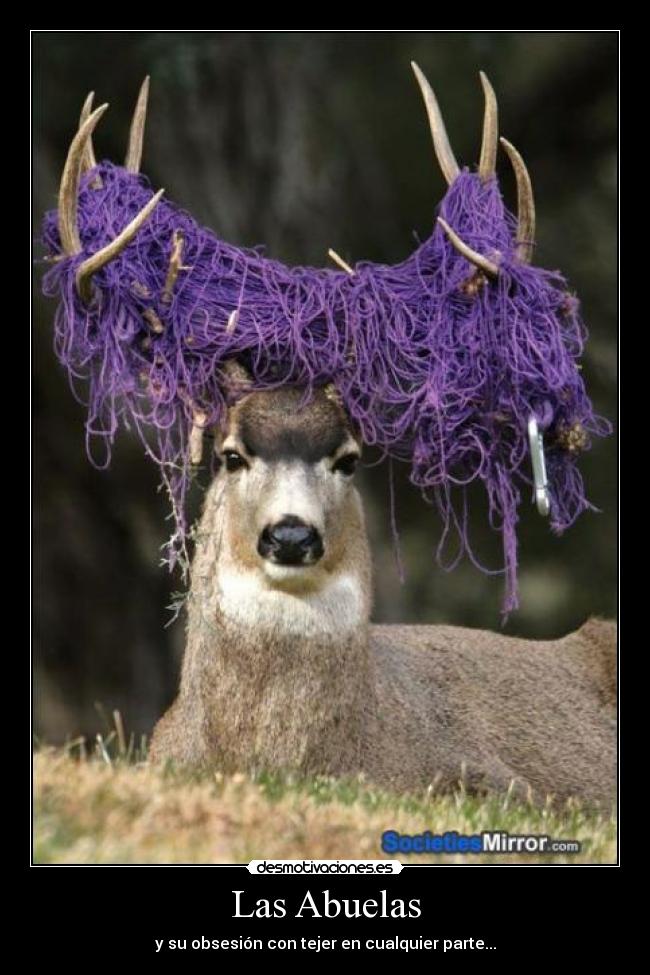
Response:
column 284, row 671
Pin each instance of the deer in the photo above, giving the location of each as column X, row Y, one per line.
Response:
column 283, row 669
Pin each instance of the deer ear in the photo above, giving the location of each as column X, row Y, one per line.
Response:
column 237, row 378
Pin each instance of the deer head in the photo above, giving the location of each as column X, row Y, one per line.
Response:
column 439, row 361
column 286, row 467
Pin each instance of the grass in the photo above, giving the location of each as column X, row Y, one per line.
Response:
column 110, row 806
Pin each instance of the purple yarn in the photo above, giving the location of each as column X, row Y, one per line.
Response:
column 435, row 366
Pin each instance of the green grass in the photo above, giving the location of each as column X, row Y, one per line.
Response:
column 107, row 805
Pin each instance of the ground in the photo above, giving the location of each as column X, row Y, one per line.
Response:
column 112, row 807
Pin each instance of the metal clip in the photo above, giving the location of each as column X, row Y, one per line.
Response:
column 536, row 442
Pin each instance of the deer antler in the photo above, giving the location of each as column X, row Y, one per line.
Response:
column 486, row 169
column 175, row 265
column 489, row 143
column 88, row 161
column 525, row 204
column 136, row 133
column 78, row 157
column 69, row 187
column 483, row 263
column 199, row 421
column 441, row 145
column 339, row 260
column 108, row 253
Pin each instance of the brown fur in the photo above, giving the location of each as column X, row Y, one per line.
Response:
column 409, row 706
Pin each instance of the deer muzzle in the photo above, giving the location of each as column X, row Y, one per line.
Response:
column 290, row 541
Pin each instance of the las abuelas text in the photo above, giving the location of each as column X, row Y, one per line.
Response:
column 324, row 905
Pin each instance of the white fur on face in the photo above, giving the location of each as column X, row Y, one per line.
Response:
column 293, row 488
column 294, row 578
column 266, row 492
column 253, row 592
column 247, row 599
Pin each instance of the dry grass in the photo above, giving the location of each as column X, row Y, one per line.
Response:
column 94, row 810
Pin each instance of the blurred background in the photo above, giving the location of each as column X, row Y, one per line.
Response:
column 304, row 141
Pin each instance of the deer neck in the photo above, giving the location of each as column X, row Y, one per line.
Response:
column 282, row 677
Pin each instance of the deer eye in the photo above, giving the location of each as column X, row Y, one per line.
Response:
column 347, row 464
column 233, row 460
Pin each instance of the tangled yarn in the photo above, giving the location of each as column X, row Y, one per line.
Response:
column 436, row 364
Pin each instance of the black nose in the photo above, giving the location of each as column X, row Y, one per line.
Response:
column 290, row 542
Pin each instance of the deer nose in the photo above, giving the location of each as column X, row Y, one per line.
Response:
column 290, row 542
